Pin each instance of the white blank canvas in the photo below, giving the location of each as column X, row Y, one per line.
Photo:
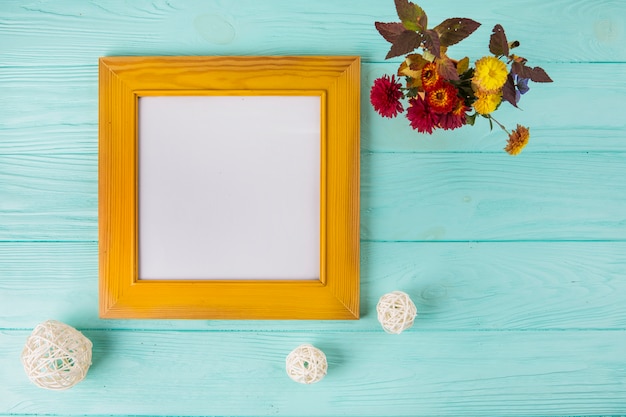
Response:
column 229, row 187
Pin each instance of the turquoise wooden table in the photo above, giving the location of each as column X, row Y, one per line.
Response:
column 517, row 264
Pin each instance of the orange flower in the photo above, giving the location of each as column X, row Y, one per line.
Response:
column 443, row 98
column 430, row 77
column 517, row 140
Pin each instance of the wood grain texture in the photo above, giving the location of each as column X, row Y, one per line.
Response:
column 517, row 265
column 463, row 197
column 48, row 197
column 575, row 113
column 414, row 374
column 54, row 109
column 458, row 197
column 47, row 32
column 477, row 286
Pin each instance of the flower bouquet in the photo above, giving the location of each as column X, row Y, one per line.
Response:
column 444, row 93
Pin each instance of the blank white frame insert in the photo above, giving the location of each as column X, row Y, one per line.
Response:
column 229, row 187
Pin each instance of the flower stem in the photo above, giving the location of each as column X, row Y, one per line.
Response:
column 499, row 124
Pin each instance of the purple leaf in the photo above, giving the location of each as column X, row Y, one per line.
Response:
column 390, row 31
column 498, row 44
column 454, row 30
column 538, row 75
column 521, row 70
column 405, row 43
column 508, row 90
column 431, row 43
column 447, row 69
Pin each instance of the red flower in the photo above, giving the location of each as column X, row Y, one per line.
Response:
column 421, row 116
column 443, row 98
column 455, row 118
column 385, row 96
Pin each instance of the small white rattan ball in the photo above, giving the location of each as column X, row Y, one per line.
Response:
column 306, row 364
column 396, row 312
column 56, row 356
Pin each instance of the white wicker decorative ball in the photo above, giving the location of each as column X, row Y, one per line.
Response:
column 56, row 356
column 396, row 312
column 306, row 364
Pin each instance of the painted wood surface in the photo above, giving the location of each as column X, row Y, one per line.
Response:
column 517, row 264
column 218, row 373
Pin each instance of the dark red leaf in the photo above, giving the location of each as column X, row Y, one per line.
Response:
column 538, row 75
column 447, row 69
column 390, row 31
column 520, row 70
column 431, row 42
column 406, row 42
column 498, row 44
column 508, row 90
column 454, row 30
column 535, row 74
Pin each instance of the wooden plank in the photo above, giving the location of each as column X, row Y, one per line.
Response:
column 479, row 197
column 456, row 286
column 48, row 32
column 48, row 197
column 51, row 109
column 577, row 112
column 417, row 374
column 520, row 324
column 63, row 117
column 443, row 197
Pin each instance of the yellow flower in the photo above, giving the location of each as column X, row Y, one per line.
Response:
column 517, row 140
column 487, row 102
column 490, row 74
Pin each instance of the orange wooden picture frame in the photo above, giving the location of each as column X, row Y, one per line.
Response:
column 122, row 81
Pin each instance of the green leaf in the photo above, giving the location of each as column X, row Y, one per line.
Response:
column 411, row 15
column 462, row 65
column 467, row 75
column 470, row 119
column 405, row 43
column 454, row 30
column 431, row 43
column 390, row 31
column 498, row 44
column 413, row 92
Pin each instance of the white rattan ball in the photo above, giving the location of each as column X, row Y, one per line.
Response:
column 396, row 312
column 306, row 364
column 56, row 356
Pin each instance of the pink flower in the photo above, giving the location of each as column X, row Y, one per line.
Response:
column 385, row 96
column 421, row 116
